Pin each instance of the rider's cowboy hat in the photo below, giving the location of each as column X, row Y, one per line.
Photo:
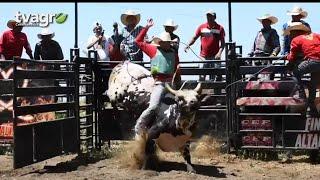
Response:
column 296, row 26
column 164, row 36
column 45, row 32
column 298, row 11
column 170, row 23
column 129, row 13
column 273, row 19
column 12, row 23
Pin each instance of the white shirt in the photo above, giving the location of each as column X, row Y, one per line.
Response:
column 103, row 53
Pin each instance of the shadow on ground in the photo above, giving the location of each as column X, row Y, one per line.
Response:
column 206, row 170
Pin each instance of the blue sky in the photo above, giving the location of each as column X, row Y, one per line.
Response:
column 187, row 15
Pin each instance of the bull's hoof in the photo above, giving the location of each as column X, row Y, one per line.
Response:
column 190, row 169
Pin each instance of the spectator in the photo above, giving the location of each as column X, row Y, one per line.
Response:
column 170, row 26
column 297, row 13
column 13, row 41
column 100, row 42
column 131, row 30
column 307, row 44
column 212, row 42
column 266, row 42
column 47, row 48
column 115, row 53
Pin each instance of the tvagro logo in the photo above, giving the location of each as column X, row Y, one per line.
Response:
column 42, row 20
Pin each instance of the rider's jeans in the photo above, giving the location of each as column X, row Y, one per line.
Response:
column 148, row 114
column 305, row 67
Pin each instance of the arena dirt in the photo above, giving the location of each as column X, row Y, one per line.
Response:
column 209, row 163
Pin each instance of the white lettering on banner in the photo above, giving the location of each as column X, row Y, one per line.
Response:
column 42, row 20
column 312, row 124
column 308, row 141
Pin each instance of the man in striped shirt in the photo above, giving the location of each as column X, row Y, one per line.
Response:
column 131, row 30
column 266, row 42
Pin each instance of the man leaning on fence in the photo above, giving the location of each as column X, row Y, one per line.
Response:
column 47, row 48
column 266, row 42
column 13, row 41
column 212, row 42
column 131, row 30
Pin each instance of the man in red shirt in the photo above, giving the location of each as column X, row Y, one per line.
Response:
column 164, row 64
column 12, row 42
column 305, row 52
column 211, row 34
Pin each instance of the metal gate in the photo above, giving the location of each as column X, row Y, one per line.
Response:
column 52, row 93
column 264, row 114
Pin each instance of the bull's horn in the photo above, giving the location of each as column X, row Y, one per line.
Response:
column 198, row 89
column 171, row 90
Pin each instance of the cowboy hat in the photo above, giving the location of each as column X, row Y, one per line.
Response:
column 211, row 13
column 164, row 36
column 45, row 32
column 11, row 23
column 273, row 19
column 129, row 13
column 296, row 26
column 298, row 11
column 170, row 23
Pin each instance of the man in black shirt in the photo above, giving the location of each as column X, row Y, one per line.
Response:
column 47, row 48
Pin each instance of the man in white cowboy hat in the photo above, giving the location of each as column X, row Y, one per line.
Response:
column 13, row 41
column 297, row 14
column 170, row 26
column 47, row 48
column 131, row 19
column 100, row 42
column 164, row 64
column 266, row 42
column 212, row 43
column 304, row 58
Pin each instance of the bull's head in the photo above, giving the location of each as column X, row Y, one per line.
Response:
column 188, row 99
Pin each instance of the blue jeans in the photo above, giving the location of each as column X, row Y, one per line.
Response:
column 305, row 67
column 211, row 77
column 210, row 65
column 147, row 115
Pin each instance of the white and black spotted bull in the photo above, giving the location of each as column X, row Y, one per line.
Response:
column 130, row 86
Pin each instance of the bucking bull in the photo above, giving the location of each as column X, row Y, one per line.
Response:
column 130, row 86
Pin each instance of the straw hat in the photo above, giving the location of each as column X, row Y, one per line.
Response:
column 273, row 19
column 295, row 26
column 298, row 11
column 164, row 36
column 129, row 13
column 45, row 32
column 170, row 23
column 11, row 23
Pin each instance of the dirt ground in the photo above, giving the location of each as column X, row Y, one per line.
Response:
column 209, row 164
